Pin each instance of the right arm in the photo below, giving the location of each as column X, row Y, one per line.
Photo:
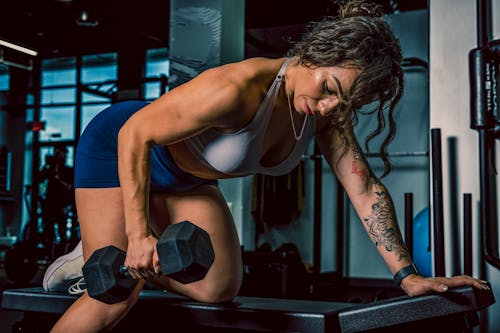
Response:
column 185, row 111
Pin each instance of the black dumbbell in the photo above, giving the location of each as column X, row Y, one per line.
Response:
column 185, row 254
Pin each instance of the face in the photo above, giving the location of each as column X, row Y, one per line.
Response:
column 319, row 90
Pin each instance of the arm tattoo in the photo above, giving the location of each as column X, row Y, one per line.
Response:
column 359, row 166
column 383, row 228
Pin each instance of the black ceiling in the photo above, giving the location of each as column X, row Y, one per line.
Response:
column 50, row 26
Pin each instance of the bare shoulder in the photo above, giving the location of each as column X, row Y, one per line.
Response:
column 234, row 88
column 245, row 72
column 225, row 96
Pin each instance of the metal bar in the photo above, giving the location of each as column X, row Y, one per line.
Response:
column 489, row 214
column 48, row 105
column 454, row 198
column 399, row 154
column 15, row 64
column 467, row 234
column 97, row 92
column 318, row 193
column 482, row 64
column 374, row 154
column 437, row 206
column 8, row 172
column 409, row 222
column 415, row 62
column 37, row 77
column 483, row 29
column 79, row 100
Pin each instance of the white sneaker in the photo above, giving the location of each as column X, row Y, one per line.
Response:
column 78, row 287
column 65, row 273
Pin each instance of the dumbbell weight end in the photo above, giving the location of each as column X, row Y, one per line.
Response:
column 106, row 280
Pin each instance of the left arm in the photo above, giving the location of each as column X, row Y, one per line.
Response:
column 375, row 208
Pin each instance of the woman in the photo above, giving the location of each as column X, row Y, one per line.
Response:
column 140, row 167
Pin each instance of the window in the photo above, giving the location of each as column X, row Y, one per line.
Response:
column 157, row 64
column 58, row 97
column 59, row 93
column 99, row 73
column 4, row 77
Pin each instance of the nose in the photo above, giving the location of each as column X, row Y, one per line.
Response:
column 327, row 105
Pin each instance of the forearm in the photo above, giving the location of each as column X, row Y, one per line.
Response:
column 377, row 214
column 134, row 173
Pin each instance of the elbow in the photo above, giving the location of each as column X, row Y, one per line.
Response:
column 131, row 134
column 124, row 133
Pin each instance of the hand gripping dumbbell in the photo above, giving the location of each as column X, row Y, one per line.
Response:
column 185, row 254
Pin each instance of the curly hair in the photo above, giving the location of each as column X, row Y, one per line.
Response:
column 359, row 37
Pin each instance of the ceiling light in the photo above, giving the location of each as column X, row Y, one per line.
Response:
column 18, row 48
column 84, row 20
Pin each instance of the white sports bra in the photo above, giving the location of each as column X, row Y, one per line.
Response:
column 238, row 154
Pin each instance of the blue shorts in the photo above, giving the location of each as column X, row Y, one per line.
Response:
column 96, row 161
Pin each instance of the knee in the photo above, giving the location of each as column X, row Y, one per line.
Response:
column 220, row 291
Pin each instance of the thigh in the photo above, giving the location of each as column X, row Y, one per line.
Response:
column 101, row 218
column 206, row 208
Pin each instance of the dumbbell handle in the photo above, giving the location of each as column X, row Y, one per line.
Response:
column 124, row 272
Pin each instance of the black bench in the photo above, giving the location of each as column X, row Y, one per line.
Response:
column 453, row 311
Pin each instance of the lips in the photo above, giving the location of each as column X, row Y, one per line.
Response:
column 306, row 108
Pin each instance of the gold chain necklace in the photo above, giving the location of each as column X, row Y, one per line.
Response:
column 297, row 136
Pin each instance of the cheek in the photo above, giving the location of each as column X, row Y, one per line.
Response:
column 308, row 89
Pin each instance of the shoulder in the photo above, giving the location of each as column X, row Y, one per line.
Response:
column 245, row 72
column 237, row 84
column 220, row 94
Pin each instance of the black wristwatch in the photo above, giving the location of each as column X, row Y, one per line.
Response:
column 404, row 272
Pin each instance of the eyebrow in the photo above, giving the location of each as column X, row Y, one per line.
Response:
column 339, row 86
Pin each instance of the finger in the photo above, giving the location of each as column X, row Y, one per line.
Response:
column 464, row 280
column 156, row 263
column 468, row 280
column 149, row 274
column 138, row 274
column 133, row 273
column 157, row 270
column 142, row 275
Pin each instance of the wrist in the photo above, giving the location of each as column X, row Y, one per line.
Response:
column 137, row 233
column 405, row 272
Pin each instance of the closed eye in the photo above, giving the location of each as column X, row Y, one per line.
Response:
column 328, row 90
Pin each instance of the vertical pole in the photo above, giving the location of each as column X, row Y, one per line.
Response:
column 483, row 86
column 409, row 222
column 467, row 234
column 318, row 192
column 437, row 207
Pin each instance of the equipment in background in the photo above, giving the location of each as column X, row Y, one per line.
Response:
column 57, row 204
column 279, row 273
column 53, row 229
column 5, row 171
column 277, row 200
column 185, row 252
column 422, row 255
column 22, row 262
column 484, row 62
